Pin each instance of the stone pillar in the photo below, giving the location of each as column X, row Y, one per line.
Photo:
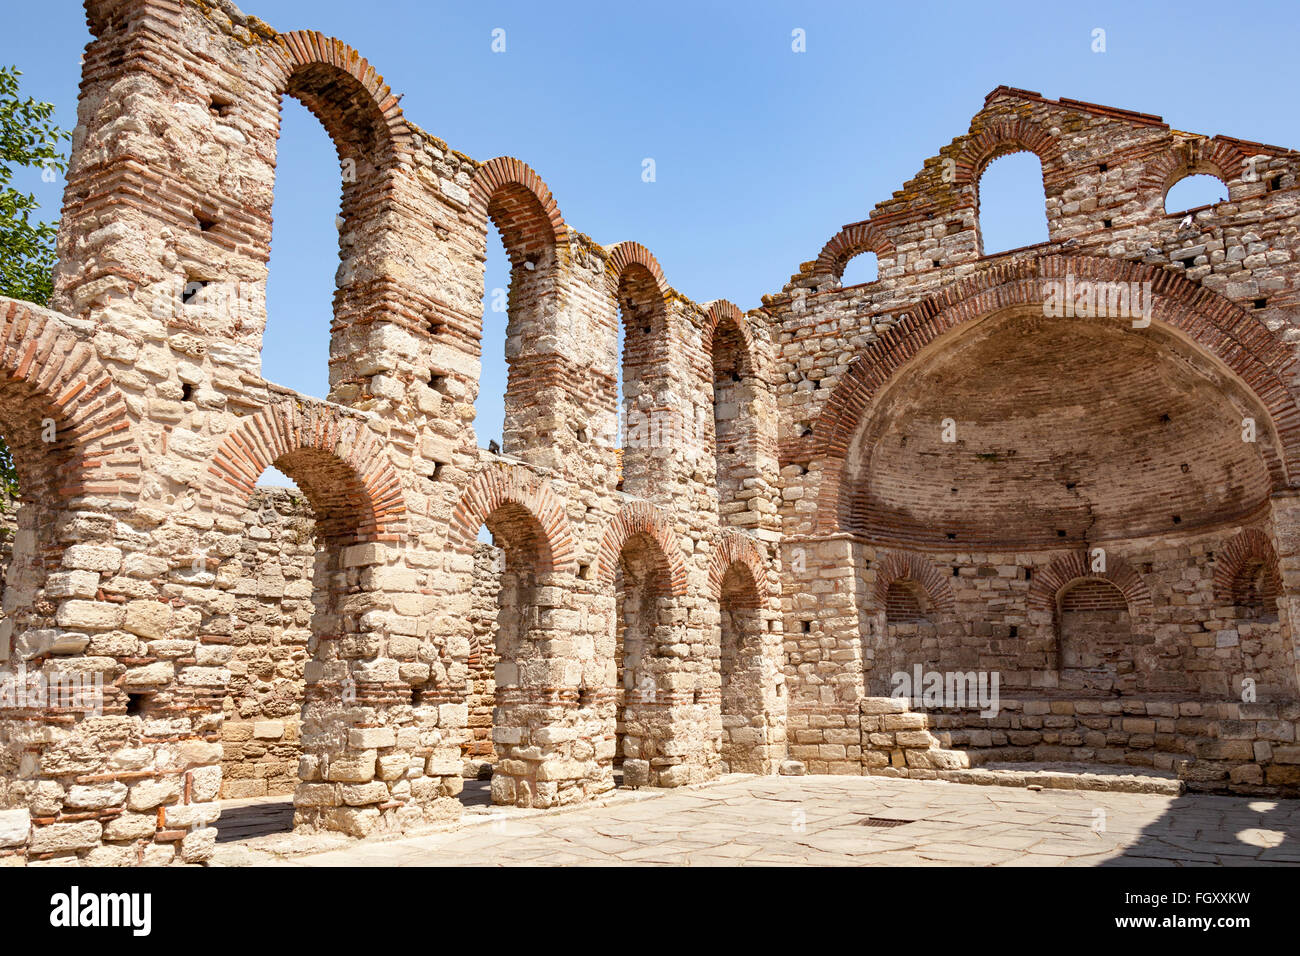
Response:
column 824, row 652
column 1285, row 520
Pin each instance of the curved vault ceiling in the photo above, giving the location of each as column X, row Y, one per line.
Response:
column 1069, row 431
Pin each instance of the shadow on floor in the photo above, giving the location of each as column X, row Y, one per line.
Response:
column 1210, row 830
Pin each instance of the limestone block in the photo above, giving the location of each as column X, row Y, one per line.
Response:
column 15, row 826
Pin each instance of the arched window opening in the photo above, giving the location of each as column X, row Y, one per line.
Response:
column 504, row 616
column 744, row 720
column 294, row 606
column 862, row 268
column 642, row 333
column 734, row 424
column 1255, row 591
column 276, row 596
column 906, row 603
column 498, row 290
column 303, row 270
column 1011, row 203
column 643, row 604
column 40, row 458
column 516, row 397
column 1192, row 192
column 1095, row 649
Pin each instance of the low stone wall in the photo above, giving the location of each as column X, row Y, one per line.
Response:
column 1216, row 746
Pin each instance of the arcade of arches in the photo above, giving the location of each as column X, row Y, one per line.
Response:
column 930, row 472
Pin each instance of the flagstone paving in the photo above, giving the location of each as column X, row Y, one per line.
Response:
column 819, row 821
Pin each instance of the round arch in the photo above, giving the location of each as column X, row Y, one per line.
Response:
column 641, row 518
column 910, row 566
column 1239, row 343
column 343, row 469
column 500, row 486
column 345, row 93
column 852, row 240
column 509, row 192
column 735, row 549
column 1050, row 584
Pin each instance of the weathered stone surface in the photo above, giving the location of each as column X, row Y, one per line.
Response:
column 796, row 510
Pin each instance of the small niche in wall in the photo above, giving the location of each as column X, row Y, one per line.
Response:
column 187, row 392
column 193, row 286
column 584, row 572
column 220, row 106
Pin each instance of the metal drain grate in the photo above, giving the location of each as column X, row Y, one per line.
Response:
column 884, row 822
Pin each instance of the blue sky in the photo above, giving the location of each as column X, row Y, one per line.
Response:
column 761, row 153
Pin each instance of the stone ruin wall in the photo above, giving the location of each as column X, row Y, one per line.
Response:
column 745, row 541
column 1106, row 172
column 271, row 581
column 482, row 658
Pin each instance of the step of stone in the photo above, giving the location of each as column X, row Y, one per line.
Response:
column 1069, row 777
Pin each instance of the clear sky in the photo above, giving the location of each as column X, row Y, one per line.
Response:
column 761, row 153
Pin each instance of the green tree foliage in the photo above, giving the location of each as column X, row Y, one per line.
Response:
column 28, row 139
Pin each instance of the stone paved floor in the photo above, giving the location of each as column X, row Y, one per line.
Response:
column 819, row 821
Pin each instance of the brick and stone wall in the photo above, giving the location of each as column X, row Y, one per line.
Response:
column 792, row 501
column 488, row 564
column 271, row 580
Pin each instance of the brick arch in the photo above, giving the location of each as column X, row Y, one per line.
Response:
column 501, row 486
column 732, row 549
column 1051, row 583
column 641, row 517
column 1244, row 551
column 511, row 194
column 720, row 309
column 909, row 566
column 344, row 91
column 1002, row 138
column 53, row 372
column 342, row 468
column 1239, row 341
column 850, row 241
column 1192, row 157
column 625, row 255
